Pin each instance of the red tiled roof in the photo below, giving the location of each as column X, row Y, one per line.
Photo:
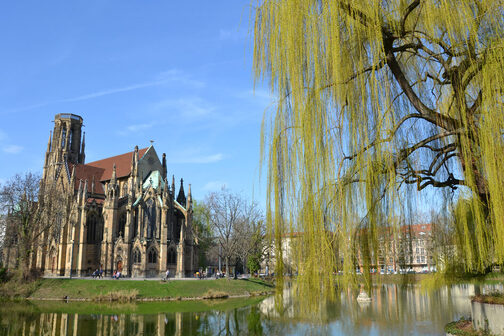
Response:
column 85, row 172
column 101, row 170
column 122, row 162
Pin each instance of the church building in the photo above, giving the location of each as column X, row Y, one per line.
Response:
column 123, row 215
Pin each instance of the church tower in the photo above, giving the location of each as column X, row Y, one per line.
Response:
column 64, row 144
column 66, row 141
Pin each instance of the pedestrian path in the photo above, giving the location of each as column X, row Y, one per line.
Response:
column 125, row 278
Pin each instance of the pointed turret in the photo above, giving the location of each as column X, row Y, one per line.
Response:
column 84, row 193
column 113, row 180
column 72, row 179
column 79, row 192
column 173, row 186
column 48, row 153
column 181, row 199
column 49, row 142
column 166, row 189
column 82, row 155
column 92, row 185
column 189, row 198
column 164, row 165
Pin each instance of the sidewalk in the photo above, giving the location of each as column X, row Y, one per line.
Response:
column 135, row 279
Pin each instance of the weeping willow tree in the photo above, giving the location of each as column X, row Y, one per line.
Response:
column 377, row 102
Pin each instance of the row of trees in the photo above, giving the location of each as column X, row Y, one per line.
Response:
column 232, row 228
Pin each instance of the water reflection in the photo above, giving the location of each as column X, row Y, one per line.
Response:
column 394, row 310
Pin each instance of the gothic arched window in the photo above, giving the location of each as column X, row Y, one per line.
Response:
column 122, row 224
column 172, row 256
column 137, row 256
column 152, row 256
column 92, row 223
column 63, row 136
column 70, row 139
column 150, row 218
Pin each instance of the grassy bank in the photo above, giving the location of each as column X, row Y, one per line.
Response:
column 117, row 290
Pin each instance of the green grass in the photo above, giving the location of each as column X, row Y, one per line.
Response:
column 90, row 289
column 463, row 327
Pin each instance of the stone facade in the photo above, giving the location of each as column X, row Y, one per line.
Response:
column 122, row 214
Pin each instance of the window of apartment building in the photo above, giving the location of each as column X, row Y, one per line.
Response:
column 417, row 250
column 418, row 259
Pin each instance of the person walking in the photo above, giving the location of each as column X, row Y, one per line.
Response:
column 167, row 274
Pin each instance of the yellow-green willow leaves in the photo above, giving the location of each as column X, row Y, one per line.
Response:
column 379, row 100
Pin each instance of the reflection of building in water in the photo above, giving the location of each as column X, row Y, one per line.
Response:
column 63, row 324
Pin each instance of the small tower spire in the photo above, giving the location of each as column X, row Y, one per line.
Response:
column 84, row 192
column 79, row 192
column 92, row 185
column 82, row 155
column 189, row 198
column 48, row 151
column 49, row 142
column 164, row 165
column 72, row 179
column 114, row 175
column 173, row 186
column 181, row 199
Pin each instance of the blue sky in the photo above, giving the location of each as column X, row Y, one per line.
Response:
column 179, row 73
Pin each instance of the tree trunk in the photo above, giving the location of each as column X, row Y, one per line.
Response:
column 227, row 268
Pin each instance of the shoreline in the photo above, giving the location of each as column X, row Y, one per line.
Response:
column 87, row 290
column 159, row 299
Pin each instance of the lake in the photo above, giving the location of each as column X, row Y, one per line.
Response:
column 395, row 310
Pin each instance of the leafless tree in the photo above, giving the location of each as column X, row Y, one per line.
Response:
column 30, row 214
column 233, row 220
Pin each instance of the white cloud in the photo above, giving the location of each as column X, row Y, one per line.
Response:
column 165, row 77
column 206, row 159
column 261, row 96
column 188, row 107
column 199, row 158
column 176, row 75
column 215, row 185
column 6, row 147
column 135, row 128
column 12, row 149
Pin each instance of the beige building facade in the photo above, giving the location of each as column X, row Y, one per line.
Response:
column 121, row 215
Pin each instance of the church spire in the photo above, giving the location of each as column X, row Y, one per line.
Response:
column 164, row 165
column 173, row 186
column 181, row 199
